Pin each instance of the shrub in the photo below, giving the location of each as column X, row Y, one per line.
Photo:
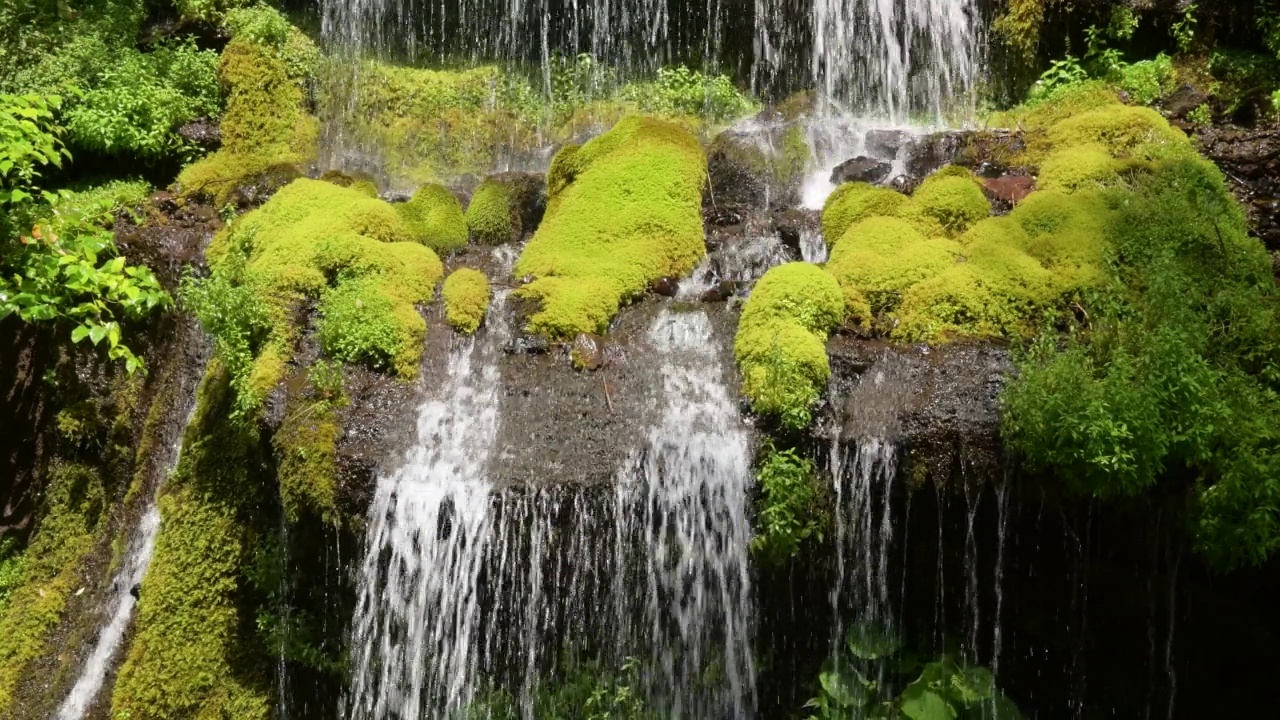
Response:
column 852, row 202
column 466, row 299
column 1148, row 80
column 629, row 214
column 781, row 342
column 791, row 510
column 681, row 91
column 434, row 217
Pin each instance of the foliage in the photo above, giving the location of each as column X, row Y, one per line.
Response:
column 624, row 210
column 1183, row 31
column 208, row 10
column 435, row 218
column 292, row 633
column 781, row 342
column 466, row 299
column 1063, row 73
column 792, row 508
column 585, row 692
column 315, row 240
column 193, row 653
column 306, row 449
column 489, row 215
column 681, row 91
column 266, row 27
column 11, row 564
column 861, row 681
column 1148, row 80
column 1019, row 25
column 29, row 140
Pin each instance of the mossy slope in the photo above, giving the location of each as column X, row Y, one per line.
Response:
column 623, row 210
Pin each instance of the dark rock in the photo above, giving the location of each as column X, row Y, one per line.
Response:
column 1009, row 190
column 136, row 591
column 665, row 286
column 528, row 201
column 1250, row 160
column 203, row 132
column 722, row 215
column 261, row 187
column 754, row 168
column 527, row 345
column 885, row 144
column 722, row 291
column 968, row 148
column 791, row 224
column 861, row 169
column 905, row 184
column 989, row 169
column 588, row 351
column 1182, row 101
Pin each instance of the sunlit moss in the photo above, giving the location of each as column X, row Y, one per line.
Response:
column 1078, row 167
column 947, row 203
column 434, row 217
column 624, row 210
column 882, row 257
column 466, row 299
column 856, row 201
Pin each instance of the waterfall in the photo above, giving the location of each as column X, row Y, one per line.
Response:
column 418, row 613
column 142, row 543
column 685, row 498
column 863, row 474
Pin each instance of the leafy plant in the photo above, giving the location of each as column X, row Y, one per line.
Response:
column 681, row 91
column 585, row 692
column 1184, row 30
column 791, row 508
column 29, row 140
column 1061, row 74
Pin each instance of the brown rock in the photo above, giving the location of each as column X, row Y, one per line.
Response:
column 1010, row 189
column 588, row 351
column 665, row 286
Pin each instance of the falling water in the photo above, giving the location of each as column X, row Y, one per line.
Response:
column 418, row 613
column 138, row 557
column 685, row 500
column 863, row 473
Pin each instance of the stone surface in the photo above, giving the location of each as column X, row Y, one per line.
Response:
column 885, row 144
column 588, row 351
column 1007, row 191
column 861, row 169
column 1250, row 159
column 665, row 286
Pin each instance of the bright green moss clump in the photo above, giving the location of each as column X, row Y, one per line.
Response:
column 856, row 201
column 350, row 252
column 1077, row 168
column 466, row 299
column 946, row 204
column 624, row 210
column 881, row 257
column 489, row 215
column 51, row 570
column 435, row 218
column 192, row 652
column 781, row 342
column 265, row 129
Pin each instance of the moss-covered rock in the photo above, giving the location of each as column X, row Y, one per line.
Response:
column 758, row 169
column 624, row 210
column 354, row 254
column 1126, row 131
column 1077, row 168
column 852, row 202
column 877, row 259
column 434, row 217
column 506, row 207
column 466, row 299
column 781, row 342
column 192, row 654
column 265, row 130
column 947, row 203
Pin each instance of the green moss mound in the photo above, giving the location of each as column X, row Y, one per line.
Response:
column 624, row 210
column 192, row 654
column 1003, row 230
column 1082, row 167
column 265, row 130
column 435, row 218
column 781, row 342
column 489, row 215
column 879, row 258
column 354, row 254
column 466, row 299
column 1125, row 130
column 856, row 201
column 947, row 203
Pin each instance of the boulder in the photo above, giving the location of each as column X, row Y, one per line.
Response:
column 588, row 351
column 861, row 169
column 665, row 286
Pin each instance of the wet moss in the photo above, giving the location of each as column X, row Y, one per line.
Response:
column 434, row 218
column 781, row 342
column 947, row 203
column 192, row 655
column 880, row 258
column 265, row 129
column 466, row 299
column 1124, row 130
column 624, row 210
column 852, row 202
column 306, row 449
column 489, row 215
column 1077, row 168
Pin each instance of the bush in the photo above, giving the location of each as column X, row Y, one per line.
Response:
column 781, row 342
column 466, row 299
column 1148, row 80
column 681, row 91
column 624, row 210
column 434, row 217
column 791, row 510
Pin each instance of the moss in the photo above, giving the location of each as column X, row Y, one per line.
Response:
column 434, row 217
column 629, row 214
column 466, row 299
column 856, row 201
column 781, row 342
column 192, row 655
column 363, row 183
column 1003, row 230
column 564, row 168
column 1019, row 26
column 306, row 448
column 51, row 569
column 264, row 128
column 1124, row 130
column 490, row 216
column 352, row 253
column 882, row 257
column 947, row 203
column 1077, row 168
column 1067, row 234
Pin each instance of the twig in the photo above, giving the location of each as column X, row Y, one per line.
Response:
column 607, row 399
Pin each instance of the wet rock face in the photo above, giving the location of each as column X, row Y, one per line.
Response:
column 966, row 148
column 1250, row 158
column 167, row 236
column 203, row 132
column 588, row 351
column 861, row 169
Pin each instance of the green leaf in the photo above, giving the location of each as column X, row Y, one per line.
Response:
column 97, row 331
column 921, row 703
column 79, row 333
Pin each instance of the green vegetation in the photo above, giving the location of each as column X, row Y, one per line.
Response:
column 265, row 129
column 623, row 210
column 854, row 683
column 586, row 691
column 946, row 203
column 489, row 215
column 466, row 299
column 781, row 342
column 306, row 447
column 434, row 218
column 193, row 652
column 879, row 258
column 852, row 202
column 794, row 506
column 314, row 240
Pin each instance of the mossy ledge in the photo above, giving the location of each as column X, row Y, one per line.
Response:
column 624, row 210
column 781, row 341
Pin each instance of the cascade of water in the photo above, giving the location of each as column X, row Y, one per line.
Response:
column 418, row 614
column 138, row 556
column 682, row 506
column 863, row 474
